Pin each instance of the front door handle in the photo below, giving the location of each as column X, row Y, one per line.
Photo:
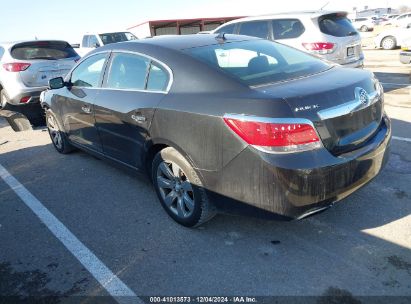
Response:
column 86, row 109
column 138, row 117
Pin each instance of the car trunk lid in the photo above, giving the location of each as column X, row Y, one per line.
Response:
column 344, row 105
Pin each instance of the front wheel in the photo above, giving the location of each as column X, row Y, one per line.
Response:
column 389, row 43
column 58, row 137
column 364, row 28
column 179, row 189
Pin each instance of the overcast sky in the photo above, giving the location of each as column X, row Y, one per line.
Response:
column 68, row 20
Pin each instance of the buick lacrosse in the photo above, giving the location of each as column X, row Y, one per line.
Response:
column 225, row 123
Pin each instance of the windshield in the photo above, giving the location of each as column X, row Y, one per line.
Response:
column 49, row 50
column 117, row 37
column 258, row 62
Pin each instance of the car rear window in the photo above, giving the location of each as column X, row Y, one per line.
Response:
column 49, row 50
column 258, row 62
column 336, row 25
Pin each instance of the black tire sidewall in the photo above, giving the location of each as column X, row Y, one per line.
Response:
column 66, row 145
column 200, row 197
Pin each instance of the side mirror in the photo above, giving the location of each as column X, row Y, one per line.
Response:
column 95, row 45
column 56, row 83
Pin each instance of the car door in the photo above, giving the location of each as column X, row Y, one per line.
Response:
column 133, row 87
column 76, row 102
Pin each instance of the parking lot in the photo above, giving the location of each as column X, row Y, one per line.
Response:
column 360, row 247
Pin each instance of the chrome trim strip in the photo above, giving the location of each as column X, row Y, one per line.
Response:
column 348, row 107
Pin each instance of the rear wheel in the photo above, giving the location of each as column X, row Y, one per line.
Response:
column 58, row 137
column 3, row 99
column 389, row 43
column 179, row 189
column 364, row 28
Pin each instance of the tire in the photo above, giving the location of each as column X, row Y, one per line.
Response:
column 364, row 28
column 58, row 137
column 180, row 190
column 3, row 100
column 389, row 43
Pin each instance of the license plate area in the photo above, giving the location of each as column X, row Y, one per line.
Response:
column 351, row 51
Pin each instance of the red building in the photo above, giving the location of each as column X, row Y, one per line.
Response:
column 178, row 26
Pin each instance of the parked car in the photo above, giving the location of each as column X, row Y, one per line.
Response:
column 402, row 20
column 263, row 129
column 329, row 35
column 364, row 24
column 392, row 38
column 388, row 19
column 25, row 69
column 405, row 54
column 92, row 41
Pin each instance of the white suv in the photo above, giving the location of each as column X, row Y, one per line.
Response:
column 328, row 34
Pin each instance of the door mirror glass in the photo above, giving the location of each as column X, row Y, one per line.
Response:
column 56, row 83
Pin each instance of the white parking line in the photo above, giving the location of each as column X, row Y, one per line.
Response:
column 402, row 138
column 114, row 286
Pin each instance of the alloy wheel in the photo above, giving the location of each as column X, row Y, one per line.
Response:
column 54, row 131
column 175, row 189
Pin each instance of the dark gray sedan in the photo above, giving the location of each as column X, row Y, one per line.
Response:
column 225, row 123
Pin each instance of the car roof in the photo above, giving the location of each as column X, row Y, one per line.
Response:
column 295, row 14
column 180, row 42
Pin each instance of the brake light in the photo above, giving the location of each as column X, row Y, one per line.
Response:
column 16, row 66
column 273, row 136
column 321, row 48
column 25, row 99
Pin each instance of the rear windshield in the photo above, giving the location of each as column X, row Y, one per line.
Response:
column 117, row 37
column 49, row 50
column 259, row 62
column 337, row 25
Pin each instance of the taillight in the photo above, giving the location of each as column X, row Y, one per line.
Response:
column 16, row 66
column 25, row 99
column 321, row 48
column 275, row 135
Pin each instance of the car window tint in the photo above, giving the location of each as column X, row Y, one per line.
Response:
column 228, row 29
column 93, row 41
column 128, row 71
column 336, row 25
column 49, row 50
column 1, row 53
column 287, row 28
column 157, row 78
column 258, row 62
column 255, row 28
column 85, row 41
column 88, row 73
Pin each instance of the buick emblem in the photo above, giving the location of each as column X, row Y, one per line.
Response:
column 362, row 96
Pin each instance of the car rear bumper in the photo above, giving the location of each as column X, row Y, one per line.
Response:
column 405, row 57
column 296, row 185
column 354, row 64
column 15, row 96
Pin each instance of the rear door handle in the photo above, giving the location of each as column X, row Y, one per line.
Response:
column 138, row 117
column 86, row 109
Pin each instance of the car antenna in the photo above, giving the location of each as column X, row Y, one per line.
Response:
column 324, row 5
column 221, row 37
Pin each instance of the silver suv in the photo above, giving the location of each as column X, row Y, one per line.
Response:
column 328, row 34
column 26, row 67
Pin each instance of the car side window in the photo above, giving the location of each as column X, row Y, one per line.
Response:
column 128, row 71
column 255, row 28
column 157, row 78
column 228, row 29
column 92, row 42
column 1, row 52
column 287, row 28
column 88, row 73
column 85, row 41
